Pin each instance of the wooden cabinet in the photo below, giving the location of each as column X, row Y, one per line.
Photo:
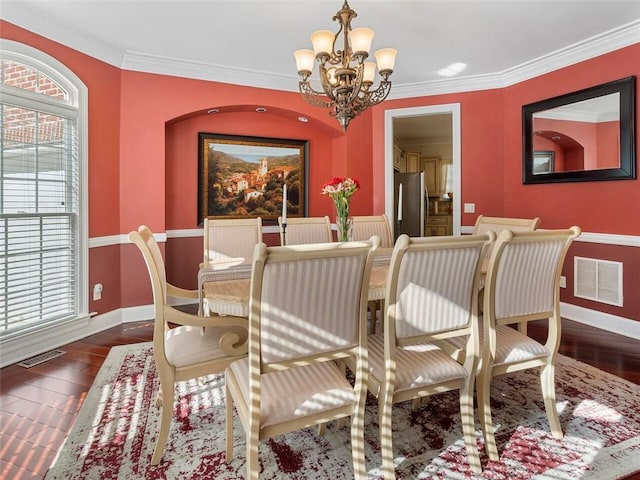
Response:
column 413, row 161
column 399, row 160
column 439, row 226
column 431, row 168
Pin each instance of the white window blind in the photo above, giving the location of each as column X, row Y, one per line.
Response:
column 39, row 201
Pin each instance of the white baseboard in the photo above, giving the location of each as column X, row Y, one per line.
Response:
column 36, row 342
column 604, row 321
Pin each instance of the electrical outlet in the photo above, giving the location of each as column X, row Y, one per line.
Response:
column 563, row 282
column 97, row 291
column 469, row 208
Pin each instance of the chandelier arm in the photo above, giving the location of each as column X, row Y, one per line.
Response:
column 312, row 96
column 374, row 97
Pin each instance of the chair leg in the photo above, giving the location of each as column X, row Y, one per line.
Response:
column 357, row 437
column 168, row 391
column 547, row 380
column 228, row 406
column 483, row 386
column 468, row 425
column 252, row 453
column 385, row 406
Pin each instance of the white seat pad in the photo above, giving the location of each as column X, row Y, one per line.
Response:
column 310, row 390
column 417, row 365
column 512, row 346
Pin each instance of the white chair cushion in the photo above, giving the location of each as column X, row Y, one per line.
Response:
column 187, row 345
column 512, row 346
column 310, row 390
column 417, row 365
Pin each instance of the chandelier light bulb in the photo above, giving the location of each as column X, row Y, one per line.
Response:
column 386, row 59
column 322, row 42
column 361, row 39
column 305, row 59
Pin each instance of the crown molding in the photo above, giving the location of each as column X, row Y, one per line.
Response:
column 141, row 62
column 30, row 19
column 605, row 42
column 600, row 44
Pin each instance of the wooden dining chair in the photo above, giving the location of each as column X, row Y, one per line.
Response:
column 364, row 227
column 431, row 295
column 187, row 350
column 226, row 239
column 522, row 284
column 233, row 237
column 497, row 224
column 301, row 230
column 308, row 309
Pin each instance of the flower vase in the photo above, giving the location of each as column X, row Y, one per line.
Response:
column 344, row 225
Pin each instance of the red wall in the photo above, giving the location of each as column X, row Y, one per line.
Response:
column 594, row 206
column 143, row 158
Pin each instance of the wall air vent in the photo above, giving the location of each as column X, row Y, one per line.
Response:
column 43, row 357
column 598, row 280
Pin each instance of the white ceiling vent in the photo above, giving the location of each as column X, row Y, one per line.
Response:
column 598, row 280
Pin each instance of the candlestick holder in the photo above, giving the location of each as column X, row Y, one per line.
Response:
column 398, row 231
column 284, row 233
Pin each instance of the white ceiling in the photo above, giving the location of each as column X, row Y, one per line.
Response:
column 254, row 40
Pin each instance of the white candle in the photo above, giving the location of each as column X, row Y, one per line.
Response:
column 284, row 203
column 400, row 202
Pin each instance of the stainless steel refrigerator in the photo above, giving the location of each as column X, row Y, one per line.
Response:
column 409, row 204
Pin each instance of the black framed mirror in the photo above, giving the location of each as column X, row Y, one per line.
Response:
column 581, row 136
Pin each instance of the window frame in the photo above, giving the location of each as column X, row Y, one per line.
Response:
column 75, row 107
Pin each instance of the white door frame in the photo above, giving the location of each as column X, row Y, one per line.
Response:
column 389, row 115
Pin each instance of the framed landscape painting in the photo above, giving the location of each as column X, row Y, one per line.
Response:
column 242, row 177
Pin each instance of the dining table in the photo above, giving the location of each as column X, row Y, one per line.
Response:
column 226, row 290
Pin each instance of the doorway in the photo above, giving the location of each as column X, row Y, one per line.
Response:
column 398, row 117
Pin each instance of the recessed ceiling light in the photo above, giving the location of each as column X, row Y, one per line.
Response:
column 453, row 69
column 261, row 109
column 213, row 110
column 303, row 119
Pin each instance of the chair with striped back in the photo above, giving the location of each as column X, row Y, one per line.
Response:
column 308, row 309
column 231, row 238
column 432, row 294
column 498, row 224
column 301, row 230
column 364, row 227
column 522, row 284
column 182, row 349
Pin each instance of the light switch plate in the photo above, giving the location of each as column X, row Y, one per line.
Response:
column 469, row 208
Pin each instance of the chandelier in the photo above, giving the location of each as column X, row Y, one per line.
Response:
column 345, row 76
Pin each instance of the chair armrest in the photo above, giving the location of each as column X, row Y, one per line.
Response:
column 174, row 291
column 178, row 317
column 231, row 342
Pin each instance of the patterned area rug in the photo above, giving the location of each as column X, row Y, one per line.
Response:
column 115, row 431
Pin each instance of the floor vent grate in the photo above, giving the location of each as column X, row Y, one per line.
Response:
column 43, row 357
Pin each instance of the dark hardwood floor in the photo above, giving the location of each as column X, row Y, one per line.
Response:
column 38, row 405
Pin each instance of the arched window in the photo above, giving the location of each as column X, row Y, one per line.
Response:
column 43, row 232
